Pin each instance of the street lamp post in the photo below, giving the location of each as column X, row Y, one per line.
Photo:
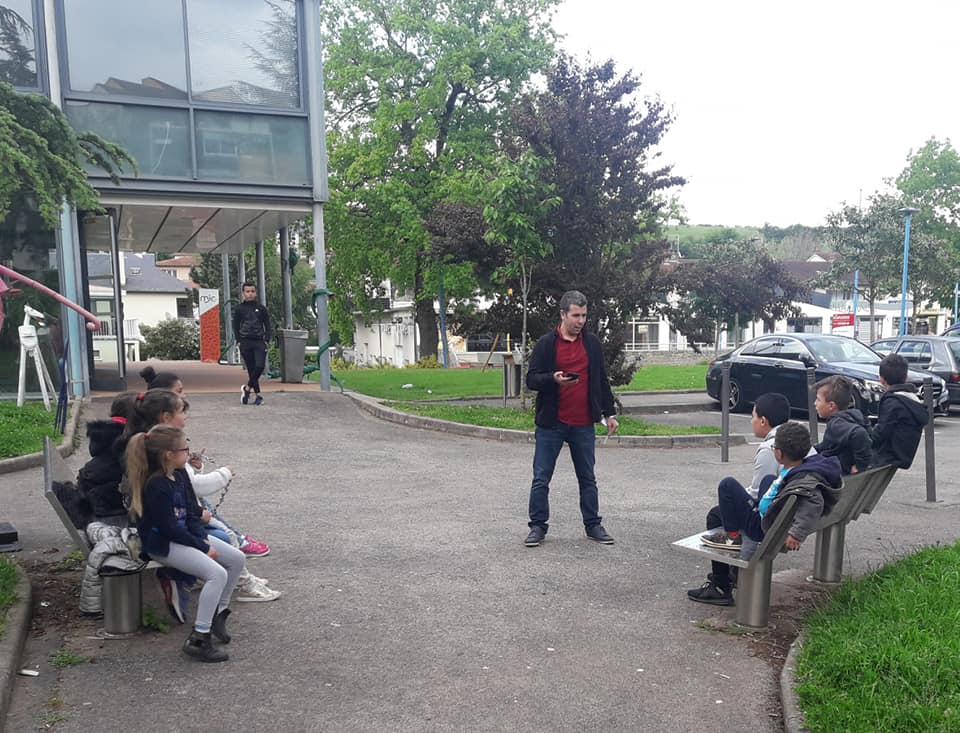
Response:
column 907, row 211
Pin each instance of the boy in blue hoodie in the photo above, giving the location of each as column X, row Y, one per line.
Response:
column 815, row 480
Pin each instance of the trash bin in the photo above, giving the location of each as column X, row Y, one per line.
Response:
column 121, row 601
column 293, row 347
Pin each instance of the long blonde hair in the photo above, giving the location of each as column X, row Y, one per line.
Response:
column 145, row 453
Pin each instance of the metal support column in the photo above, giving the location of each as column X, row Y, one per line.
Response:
column 828, row 553
column 318, row 160
column 228, row 336
column 753, row 595
column 286, row 273
column 261, row 275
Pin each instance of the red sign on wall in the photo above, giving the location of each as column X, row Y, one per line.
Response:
column 841, row 320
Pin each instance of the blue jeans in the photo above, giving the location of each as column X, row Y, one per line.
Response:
column 581, row 440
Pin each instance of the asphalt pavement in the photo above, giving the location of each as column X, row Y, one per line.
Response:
column 411, row 604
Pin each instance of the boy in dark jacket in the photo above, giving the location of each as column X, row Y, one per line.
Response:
column 251, row 329
column 814, row 480
column 847, row 435
column 98, row 481
column 901, row 416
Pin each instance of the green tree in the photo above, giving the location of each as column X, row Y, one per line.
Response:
column 416, row 93
column 735, row 283
column 18, row 62
column 869, row 240
column 41, row 158
column 930, row 181
column 605, row 237
column 518, row 201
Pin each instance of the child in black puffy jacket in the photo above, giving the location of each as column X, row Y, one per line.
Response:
column 99, row 479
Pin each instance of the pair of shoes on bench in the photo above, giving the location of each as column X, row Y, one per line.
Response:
column 720, row 540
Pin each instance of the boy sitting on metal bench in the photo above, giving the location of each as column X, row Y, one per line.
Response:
column 770, row 411
column 815, row 480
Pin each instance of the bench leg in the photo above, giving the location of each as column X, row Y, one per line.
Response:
column 753, row 595
column 828, row 556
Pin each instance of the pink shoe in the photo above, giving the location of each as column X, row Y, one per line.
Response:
column 252, row 548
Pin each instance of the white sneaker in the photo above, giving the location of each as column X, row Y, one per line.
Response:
column 255, row 579
column 256, row 592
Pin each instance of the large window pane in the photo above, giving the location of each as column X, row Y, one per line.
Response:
column 126, row 48
column 157, row 138
column 18, row 48
column 253, row 148
column 244, row 52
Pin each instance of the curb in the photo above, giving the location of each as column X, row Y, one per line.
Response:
column 792, row 716
column 66, row 447
column 11, row 645
column 379, row 410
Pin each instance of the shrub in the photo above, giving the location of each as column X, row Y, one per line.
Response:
column 427, row 362
column 172, row 339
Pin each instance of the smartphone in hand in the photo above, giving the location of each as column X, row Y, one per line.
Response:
column 572, row 375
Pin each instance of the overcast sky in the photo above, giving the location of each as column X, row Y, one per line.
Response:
column 782, row 111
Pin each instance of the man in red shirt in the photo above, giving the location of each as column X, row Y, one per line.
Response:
column 568, row 374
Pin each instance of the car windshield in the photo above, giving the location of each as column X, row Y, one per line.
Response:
column 834, row 350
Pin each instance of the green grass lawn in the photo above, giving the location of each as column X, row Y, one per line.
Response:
column 455, row 383
column 515, row 419
column 885, row 654
column 22, row 429
column 8, row 581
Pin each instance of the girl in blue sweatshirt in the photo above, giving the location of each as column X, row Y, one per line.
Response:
column 172, row 532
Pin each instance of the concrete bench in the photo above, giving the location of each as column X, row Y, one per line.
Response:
column 860, row 495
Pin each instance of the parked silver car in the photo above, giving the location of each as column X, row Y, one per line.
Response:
column 934, row 354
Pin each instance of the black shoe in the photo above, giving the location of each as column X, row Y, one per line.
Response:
column 200, row 646
column 598, row 534
column 536, row 536
column 712, row 594
column 219, row 626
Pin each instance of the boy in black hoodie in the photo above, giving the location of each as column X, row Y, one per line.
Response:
column 901, row 416
column 814, row 480
column 98, row 481
column 251, row 329
column 847, row 435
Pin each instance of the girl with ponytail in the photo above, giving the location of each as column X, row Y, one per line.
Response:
column 169, row 521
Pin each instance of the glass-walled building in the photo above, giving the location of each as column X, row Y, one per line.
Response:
column 212, row 98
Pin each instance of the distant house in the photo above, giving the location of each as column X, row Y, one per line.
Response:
column 180, row 267
column 148, row 295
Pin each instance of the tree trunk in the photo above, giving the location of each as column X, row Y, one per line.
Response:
column 425, row 314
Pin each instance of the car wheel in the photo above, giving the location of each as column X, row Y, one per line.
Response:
column 737, row 403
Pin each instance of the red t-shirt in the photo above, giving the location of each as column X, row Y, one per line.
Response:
column 573, row 401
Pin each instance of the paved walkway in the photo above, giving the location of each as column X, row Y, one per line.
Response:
column 411, row 605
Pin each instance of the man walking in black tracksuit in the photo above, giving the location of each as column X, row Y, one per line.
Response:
column 251, row 328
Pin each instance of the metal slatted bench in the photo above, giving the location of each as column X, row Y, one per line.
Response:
column 121, row 595
column 859, row 495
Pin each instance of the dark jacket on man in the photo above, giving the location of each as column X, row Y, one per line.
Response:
column 817, row 484
column 901, row 417
column 543, row 363
column 251, row 322
column 848, row 438
column 99, row 479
